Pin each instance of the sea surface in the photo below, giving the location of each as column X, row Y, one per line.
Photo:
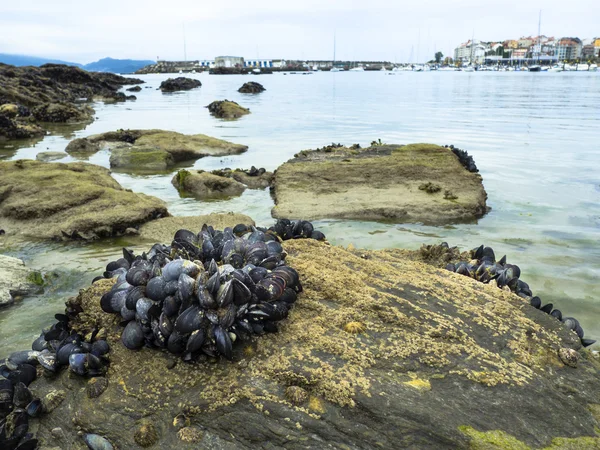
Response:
column 535, row 138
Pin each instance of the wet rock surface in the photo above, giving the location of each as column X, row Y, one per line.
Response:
column 179, row 84
column 381, row 182
column 252, row 87
column 17, row 280
column 415, row 357
column 206, row 185
column 81, row 146
column 253, row 178
column 225, row 109
column 50, row 156
column 71, row 201
column 51, row 93
column 156, row 149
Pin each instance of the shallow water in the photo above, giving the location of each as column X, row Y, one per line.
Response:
column 534, row 138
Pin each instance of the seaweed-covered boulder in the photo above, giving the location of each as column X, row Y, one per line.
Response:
column 225, row 109
column 50, row 156
column 11, row 128
column 75, row 200
column 62, row 113
column 81, row 146
column 206, row 185
column 134, row 89
column 253, row 178
column 379, row 351
column 182, row 147
column 17, row 280
column 251, row 87
column 140, row 158
column 382, row 182
column 179, row 84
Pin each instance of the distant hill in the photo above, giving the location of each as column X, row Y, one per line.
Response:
column 103, row 65
column 116, row 65
column 25, row 60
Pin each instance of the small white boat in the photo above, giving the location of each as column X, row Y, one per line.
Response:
column 593, row 68
column 582, row 67
column 469, row 69
column 357, row 69
column 336, row 69
column 257, row 70
column 555, row 68
column 181, row 71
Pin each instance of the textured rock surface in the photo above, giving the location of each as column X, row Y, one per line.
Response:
column 206, row 185
column 81, row 146
column 78, row 200
column 163, row 230
column 50, row 156
column 379, row 183
column 140, row 158
column 182, row 147
column 252, row 87
column 257, row 181
column 225, row 109
column 179, row 84
column 16, row 280
column 440, row 361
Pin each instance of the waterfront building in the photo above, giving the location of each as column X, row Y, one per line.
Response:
column 568, row 48
column 206, row 63
column 465, row 51
column 229, row 61
column 259, row 63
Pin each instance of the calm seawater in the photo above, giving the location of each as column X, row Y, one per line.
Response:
column 534, row 137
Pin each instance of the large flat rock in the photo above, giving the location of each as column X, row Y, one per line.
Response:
column 379, row 351
column 16, row 280
column 181, row 147
column 79, row 200
column 379, row 183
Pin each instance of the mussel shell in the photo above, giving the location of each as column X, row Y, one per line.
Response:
column 156, row 289
column 289, row 296
column 547, row 308
column 138, row 276
column 127, row 314
column 78, row 363
column 142, row 308
column 223, row 342
column 225, row 294
column 186, row 287
column 227, row 316
column 35, row 408
column 536, row 302
column 25, row 374
column 214, row 283
column 258, row 273
column 100, row 347
column 194, row 343
column 289, row 274
column 133, row 336
column 165, row 325
column 557, row 314
column 133, row 295
column 317, row 235
column 173, row 270
column 171, row 305
column 176, row 343
column 22, row 395
column 240, row 229
column 189, row 320
column 66, row 350
column 587, row 342
column 171, row 287
column 96, row 442
column 241, row 293
column 48, row 360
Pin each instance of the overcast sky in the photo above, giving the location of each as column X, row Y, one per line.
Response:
column 82, row 31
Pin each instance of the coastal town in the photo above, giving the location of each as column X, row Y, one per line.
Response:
column 533, row 53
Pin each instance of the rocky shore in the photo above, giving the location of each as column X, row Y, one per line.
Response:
column 226, row 109
column 179, row 84
column 415, row 357
column 403, row 183
column 30, row 96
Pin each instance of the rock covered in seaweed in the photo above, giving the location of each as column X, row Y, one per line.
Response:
column 226, row 109
column 251, row 87
column 17, row 280
column 253, row 178
column 439, row 358
column 72, row 201
column 378, row 183
column 206, row 185
column 179, row 84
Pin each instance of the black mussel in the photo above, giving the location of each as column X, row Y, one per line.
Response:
column 205, row 298
column 212, row 316
column 127, row 314
column 477, row 253
column 488, row 255
column 22, row 395
column 100, row 347
column 128, row 255
column 214, row 283
column 155, row 289
column 194, row 343
column 317, row 235
column 165, row 325
column 119, row 263
column 258, row 274
column 523, row 288
column 303, row 229
column 6, row 397
column 47, row 360
column 133, row 295
column 227, row 316
column 39, row 344
column 35, row 408
column 142, row 307
column 133, row 336
column 176, row 343
column 186, row 236
column 587, row 342
column 270, row 327
column 579, row 331
column 464, row 269
column 78, row 363
column 25, row 374
column 223, row 342
column 186, row 287
column 66, row 350
column 557, row 314
column 547, row 308
column 274, row 248
column 137, row 276
column 570, row 322
column 208, row 249
column 225, row 294
column 22, row 357
column 240, row 229
column 237, row 260
column 270, row 262
column 289, row 296
column 289, row 274
column 255, row 236
column 502, row 261
column 96, row 442
column 189, row 320
column 98, row 278
column 536, row 302
column 171, row 305
column 514, row 271
column 28, row 443
column 173, row 270
column 241, row 293
column 451, row 267
column 212, row 268
column 171, row 287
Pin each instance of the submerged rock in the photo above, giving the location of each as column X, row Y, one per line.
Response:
column 179, row 84
column 383, row 182
column 206, row 185
column 50, row 156
column 134, row 89
column 81, row 146
column 145, row 149
column 17, row 280
column 252, row 87
column 437, row 362
column 75, row 200
column 225, row 109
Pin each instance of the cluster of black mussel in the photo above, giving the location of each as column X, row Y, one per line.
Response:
column 485, row 268
column 465, row 159
column 55, row 348
column 207, row 290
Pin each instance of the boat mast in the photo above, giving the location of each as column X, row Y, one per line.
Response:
column 333, row 65
column 539, row 39
column 184, row 46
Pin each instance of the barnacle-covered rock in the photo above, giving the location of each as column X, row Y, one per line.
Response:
column 146, row 434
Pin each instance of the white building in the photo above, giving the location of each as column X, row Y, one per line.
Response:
column 468, row 51
column 229, row 61
column 261, row 63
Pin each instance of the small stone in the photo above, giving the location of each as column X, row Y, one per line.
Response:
column 146, row 435
column 354, row 327
column 296, row 395
column 190, row 434
column 171, row 364
column 568, row 356
column 57, row 433
column 96, row 386
column 53, row 399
